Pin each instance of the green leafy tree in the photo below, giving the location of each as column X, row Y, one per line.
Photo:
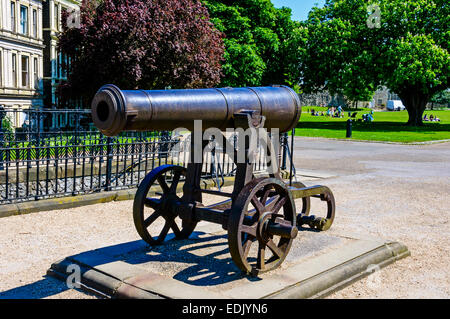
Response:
column 353, row 47
column 7, row 125
column 441, row 98
column 258, row 42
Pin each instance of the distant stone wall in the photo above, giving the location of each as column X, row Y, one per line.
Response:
column 325, row 99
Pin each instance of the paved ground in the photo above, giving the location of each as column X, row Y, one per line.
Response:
column 400, row 192
column 396, row 192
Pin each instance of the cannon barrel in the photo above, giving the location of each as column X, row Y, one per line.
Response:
column 115, row 110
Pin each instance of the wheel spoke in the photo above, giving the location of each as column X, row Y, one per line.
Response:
column 163, row 184
column 257, row 204
column 152, row 203
column 274, row 248
column 165, row 230
column 272, row 202
column 175, row 229
column 175, row 181
column 261, row 256
column 266, row 195
column 151, row 218
column 251, row 230
column 278, row 205
column 246, row 247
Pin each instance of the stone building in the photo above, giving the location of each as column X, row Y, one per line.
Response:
column 54, row 61
column 31, row 68
column 21, row 56
column 321, row 99
column 381, row 97
column 54, row 72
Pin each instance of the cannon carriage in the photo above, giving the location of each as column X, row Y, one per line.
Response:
column 259, row 214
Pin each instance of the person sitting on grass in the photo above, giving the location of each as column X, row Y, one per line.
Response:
column 431, row 118
column 368, row 118
column 425, row 118
column 437, row 119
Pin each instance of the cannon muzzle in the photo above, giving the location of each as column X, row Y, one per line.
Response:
column 115, row 110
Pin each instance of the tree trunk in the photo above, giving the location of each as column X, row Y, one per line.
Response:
column 415, row 103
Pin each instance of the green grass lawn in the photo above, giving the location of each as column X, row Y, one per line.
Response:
column 387, row 126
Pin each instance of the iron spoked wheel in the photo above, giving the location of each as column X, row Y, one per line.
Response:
column 331, row 209
column 262, row 204
column 320, row 223
column 155, row 216
column 306, row 201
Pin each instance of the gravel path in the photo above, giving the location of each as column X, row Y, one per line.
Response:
column 396, row 192
column 29, row 244
column 390, row 191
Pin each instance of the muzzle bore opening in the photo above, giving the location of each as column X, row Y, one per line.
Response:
column 102, row 111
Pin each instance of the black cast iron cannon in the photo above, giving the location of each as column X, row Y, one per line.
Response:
column 260, row 213
column 115, row 110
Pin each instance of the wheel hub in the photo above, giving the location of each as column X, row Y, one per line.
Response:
column 167, row 205
column 261, row 230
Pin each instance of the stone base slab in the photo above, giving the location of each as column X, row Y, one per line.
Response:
column 201, row 267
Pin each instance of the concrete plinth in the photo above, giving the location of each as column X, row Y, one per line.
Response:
column 201, row 267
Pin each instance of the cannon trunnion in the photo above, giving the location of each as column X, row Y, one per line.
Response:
column 260, row 213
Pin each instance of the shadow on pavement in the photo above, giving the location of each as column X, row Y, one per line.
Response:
column 202, row 269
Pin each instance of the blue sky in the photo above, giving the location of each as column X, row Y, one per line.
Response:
column 300, row 8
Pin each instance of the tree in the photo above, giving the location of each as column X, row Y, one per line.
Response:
column 442, row 98
column 258, row 43
column 147, row 44
column 353, row 47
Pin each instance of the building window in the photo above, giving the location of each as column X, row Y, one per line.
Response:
column 35, row 73
column 25, row 71
column 13, row 16
column 64, row 10
column 35, row 26
column 65, row 66
column 58, row 64
column 56, row 12
column 14, row 70
column 23, row 20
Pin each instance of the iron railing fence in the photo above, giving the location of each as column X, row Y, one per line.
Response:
column 46, row 162
column 39, row 121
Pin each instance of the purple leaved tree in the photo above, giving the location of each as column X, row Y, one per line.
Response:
column 140, row 44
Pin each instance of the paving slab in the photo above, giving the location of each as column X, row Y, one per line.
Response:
column 201, row 267
column 303, row 173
